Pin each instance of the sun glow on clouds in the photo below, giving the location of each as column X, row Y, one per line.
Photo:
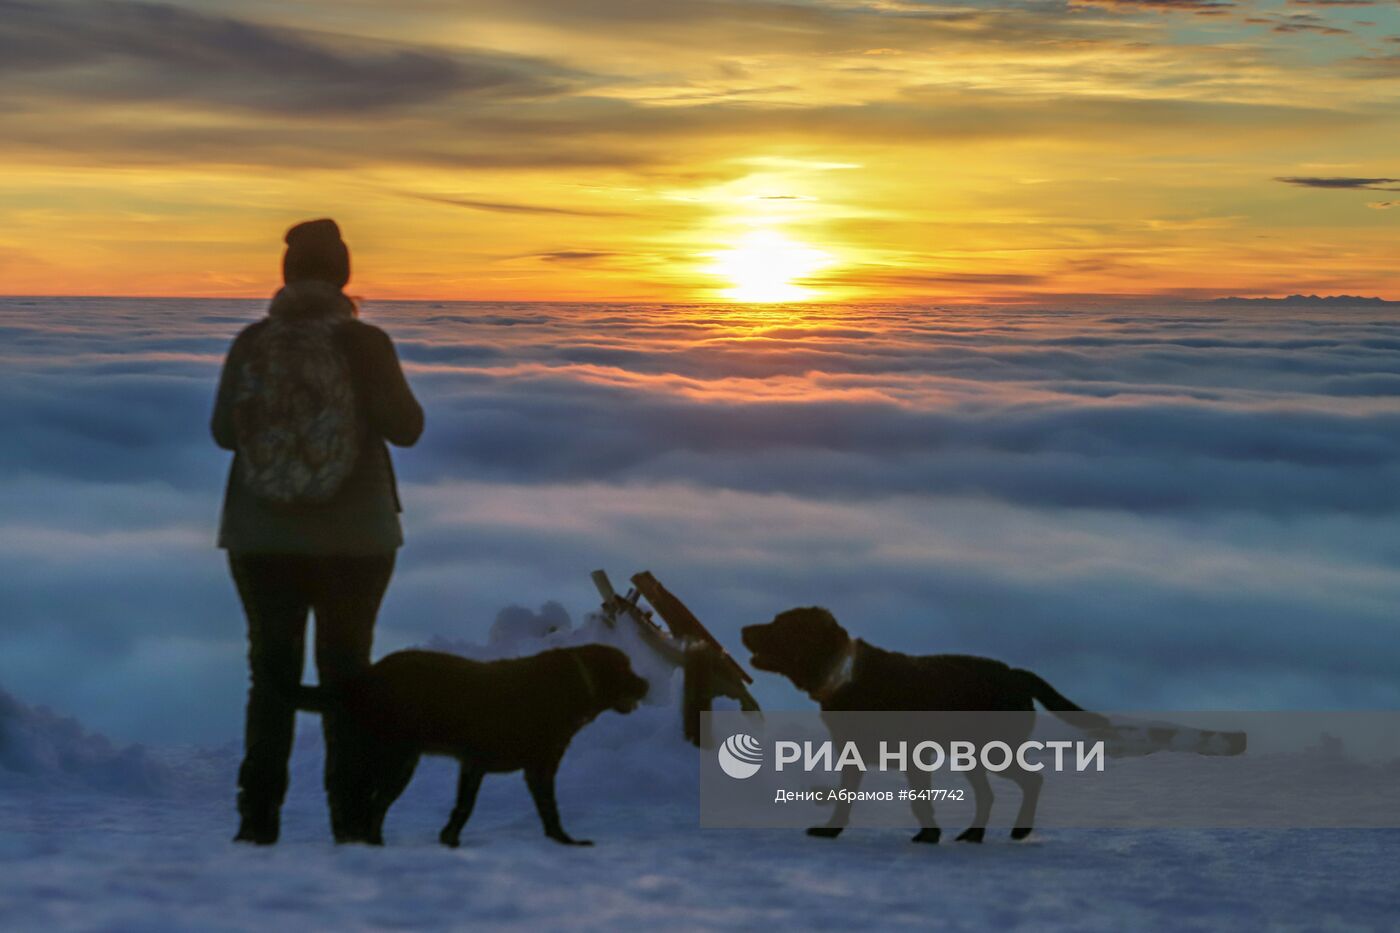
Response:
column 767, row 266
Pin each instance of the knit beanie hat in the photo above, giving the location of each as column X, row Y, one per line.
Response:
column 316, row 251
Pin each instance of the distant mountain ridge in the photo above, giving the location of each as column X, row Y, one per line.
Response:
column 1309, row 301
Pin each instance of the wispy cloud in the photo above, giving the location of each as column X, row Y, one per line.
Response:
column 1196, row 7
column 1341, row 182
column 511, row 207
column 575, row 255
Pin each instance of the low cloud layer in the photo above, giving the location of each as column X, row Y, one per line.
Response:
column 1191, row 507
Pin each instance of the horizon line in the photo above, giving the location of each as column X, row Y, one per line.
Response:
column 1007, row 300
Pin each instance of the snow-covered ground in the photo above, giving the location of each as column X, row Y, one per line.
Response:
column 81, row 860
column 86, row 861
column 93, row 836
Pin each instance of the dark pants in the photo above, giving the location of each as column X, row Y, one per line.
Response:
column 278, row 591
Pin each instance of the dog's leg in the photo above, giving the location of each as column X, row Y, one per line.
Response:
column 841, row 813
column 468, row 783
column 982, row 797
column 920, row 782
column 540, row 780
column 393, row 771
column 1030, row 782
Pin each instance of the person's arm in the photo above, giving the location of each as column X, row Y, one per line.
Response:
column 221, row 424
column 392, row 409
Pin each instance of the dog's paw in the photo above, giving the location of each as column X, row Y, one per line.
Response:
column 1021, row 832
column 824, row 832
column 929, row 834
column 451, row 840
column 972, row 834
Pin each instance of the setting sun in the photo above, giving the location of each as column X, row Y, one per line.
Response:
column 767, row 266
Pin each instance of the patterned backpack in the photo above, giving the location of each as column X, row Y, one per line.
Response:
column 295, row 415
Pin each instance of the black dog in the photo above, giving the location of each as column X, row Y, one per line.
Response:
column 496, row 716
column 809, row 648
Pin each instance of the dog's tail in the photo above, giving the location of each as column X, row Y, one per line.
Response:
column 1061, row 706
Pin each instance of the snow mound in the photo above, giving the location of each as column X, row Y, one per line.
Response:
column 516, row 623
column 43, row 750
column 518, row 632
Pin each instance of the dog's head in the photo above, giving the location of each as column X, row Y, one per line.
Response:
column 800, row 644
column 613, row 682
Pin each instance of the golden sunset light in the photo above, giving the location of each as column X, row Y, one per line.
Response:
column 555, row 150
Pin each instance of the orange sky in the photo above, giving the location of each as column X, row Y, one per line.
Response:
column 701, row 150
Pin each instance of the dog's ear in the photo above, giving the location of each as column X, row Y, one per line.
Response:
column 617, row 680
column 610, row 665
column 813, row 617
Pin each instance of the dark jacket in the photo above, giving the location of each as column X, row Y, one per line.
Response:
column 363, row 517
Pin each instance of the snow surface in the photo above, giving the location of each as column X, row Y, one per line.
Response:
column 98, row 837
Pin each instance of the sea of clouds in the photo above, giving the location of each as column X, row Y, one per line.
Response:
column 1154, row 508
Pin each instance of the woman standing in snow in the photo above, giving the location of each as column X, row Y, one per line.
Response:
column 307, row 399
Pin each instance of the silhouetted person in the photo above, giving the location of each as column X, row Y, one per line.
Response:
column 307, row 398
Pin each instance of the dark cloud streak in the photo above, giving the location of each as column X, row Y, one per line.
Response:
column 511, row 207
column 1343, row 183
column 132, row 51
